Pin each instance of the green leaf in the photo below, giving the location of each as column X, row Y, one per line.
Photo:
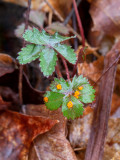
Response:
column 79, row 81
column 62, row 82
column 48, row 60
column 67, row 52
column 73, row 112
column 87, row 94
column 43, row 38
column 54, row 100
column 29, row 53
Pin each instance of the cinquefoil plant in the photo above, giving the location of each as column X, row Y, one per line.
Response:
column 71, row 95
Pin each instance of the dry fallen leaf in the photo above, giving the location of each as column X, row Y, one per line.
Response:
column 106, row 17
column 53, row 144
column 17, row 131
column 92, row 70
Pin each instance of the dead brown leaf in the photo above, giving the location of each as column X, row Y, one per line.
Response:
column 92, row 70
column 53, row 144
column 105, row 16
column 17, row 131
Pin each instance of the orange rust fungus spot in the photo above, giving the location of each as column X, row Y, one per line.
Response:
column 76, row 94
column 80, row 88
column 70, row 104
column 59, row 87
column 45, row 99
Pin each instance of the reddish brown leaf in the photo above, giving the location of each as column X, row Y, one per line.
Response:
column 17, row 132
column 106, row 17
column 53, row 144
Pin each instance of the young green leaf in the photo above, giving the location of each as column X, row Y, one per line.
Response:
column 29, row 53
column 54, row 100
column 44, row 47
column 48, row 60
column 43, row 38
column 87, row 94
column 75, row 111
column 78, row 81
column 62, row 82
column 66, row 51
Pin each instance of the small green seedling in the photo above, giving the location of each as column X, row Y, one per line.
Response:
column 71, row 95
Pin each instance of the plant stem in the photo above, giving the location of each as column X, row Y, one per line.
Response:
column 21, row 66
column 58, row 71
column 78, row 61
column 66, row 67
column 82, row 35
column 79, row 23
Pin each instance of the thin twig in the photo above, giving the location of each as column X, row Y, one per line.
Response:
column 54, row 11
column 71, row 13
column 21, row 67
column 116, row 60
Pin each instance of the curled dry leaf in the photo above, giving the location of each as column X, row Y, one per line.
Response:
column 7, row 64
column 9, row 77
column 53, row 144
column 105, row 16
column 3, row 104
column 17, row 131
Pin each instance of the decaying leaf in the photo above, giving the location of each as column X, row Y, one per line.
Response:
column 53, row 144
column 37, row 17
column 17, row 131
column 105, row 15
